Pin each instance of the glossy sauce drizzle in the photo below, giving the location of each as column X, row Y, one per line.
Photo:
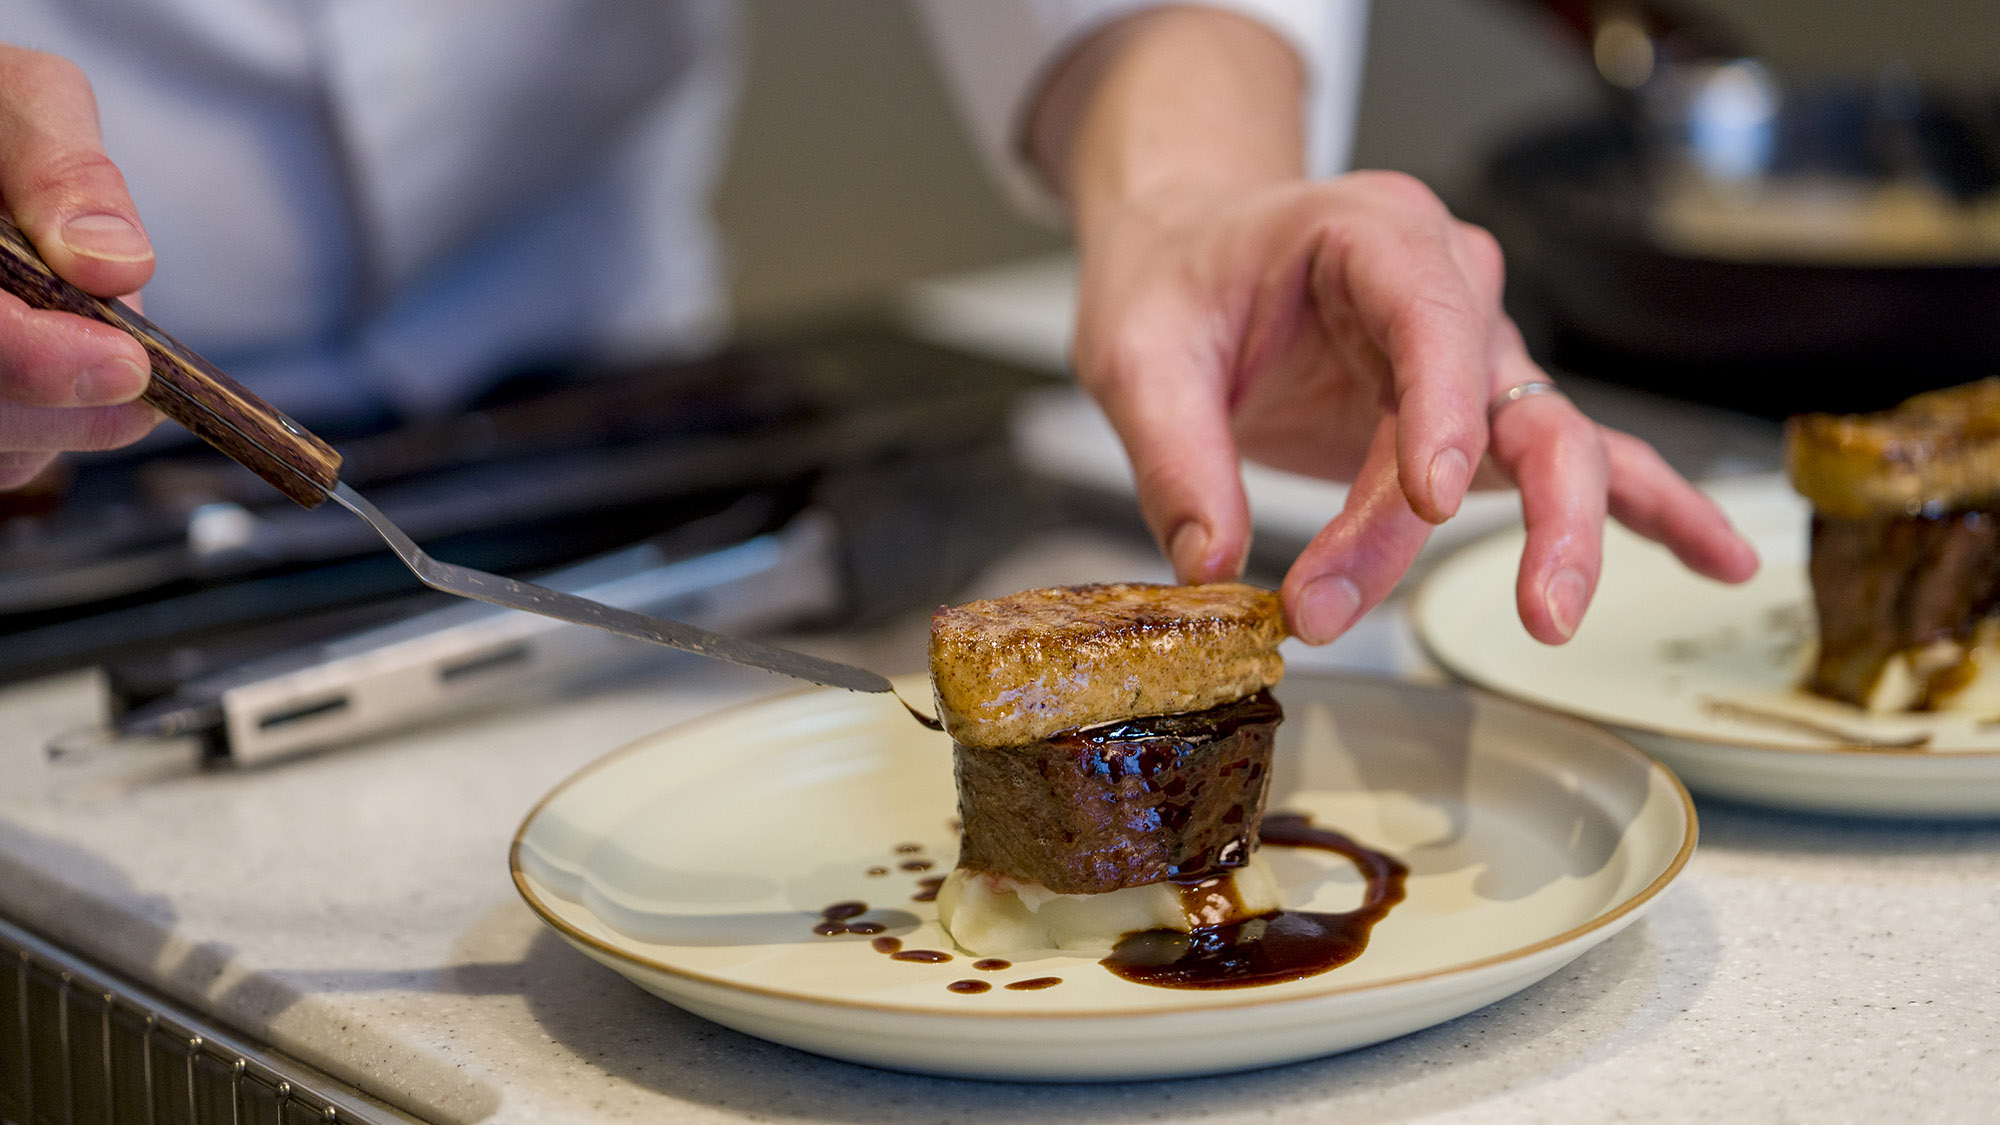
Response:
column 1270, row 948
column 919, row 716
column 834, row 920
column 922, row 956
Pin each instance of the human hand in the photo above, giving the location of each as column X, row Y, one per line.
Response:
column 1347, row 328
column 66, row 382
column 1351, row 329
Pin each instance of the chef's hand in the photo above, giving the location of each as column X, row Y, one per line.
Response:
column 1347, row 328
column 66, row 382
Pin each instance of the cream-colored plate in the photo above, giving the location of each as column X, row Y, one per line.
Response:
column 696, row 862
column 1704, row 675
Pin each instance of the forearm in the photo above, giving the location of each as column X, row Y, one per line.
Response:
column 1179, row 101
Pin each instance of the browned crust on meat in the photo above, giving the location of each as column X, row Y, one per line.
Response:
column 1936, row 451
column 1014, row 670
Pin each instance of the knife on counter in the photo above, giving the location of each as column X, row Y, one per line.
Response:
column 195, row 393
column 463, row 656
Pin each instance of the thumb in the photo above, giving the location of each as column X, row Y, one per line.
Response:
column 55, row 178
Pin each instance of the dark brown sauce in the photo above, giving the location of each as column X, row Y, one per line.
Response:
column 878, row 871
column 917, row 865
column 1033, row 984
column 922, row 956
column 928, row 888
column 968, row 987
column 1216, row 722
column 833, row 920
column 1270, row 948
column 1210, row 901
column 992, row 964
column 886, row 944
column 919, row 715
column 909, row 849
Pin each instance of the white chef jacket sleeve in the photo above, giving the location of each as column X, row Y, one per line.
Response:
column 998, row 53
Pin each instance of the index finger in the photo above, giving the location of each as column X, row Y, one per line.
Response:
column 1425, row 292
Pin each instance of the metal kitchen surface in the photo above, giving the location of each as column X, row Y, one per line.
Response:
column 82, row 1045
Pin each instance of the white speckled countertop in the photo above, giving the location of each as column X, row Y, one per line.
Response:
column 1801, row 968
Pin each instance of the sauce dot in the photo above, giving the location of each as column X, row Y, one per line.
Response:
column 841, row 910
column 878, row 871
column 1033, row 984
column 909, row 849
column 968, row 987
column 830, row 929
column 917, row 865
column 992, row 964
column 886, row 944
column 922, row 956
column 865, row 927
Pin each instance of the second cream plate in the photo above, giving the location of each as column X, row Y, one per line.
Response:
column 1705, row 675
column 697, row 862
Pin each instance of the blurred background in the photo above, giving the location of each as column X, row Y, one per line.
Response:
column 850, row 174
column 1839, row 254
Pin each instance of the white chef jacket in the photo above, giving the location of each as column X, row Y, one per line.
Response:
column 369, row 203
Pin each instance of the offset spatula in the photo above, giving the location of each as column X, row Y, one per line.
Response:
column 193, row 392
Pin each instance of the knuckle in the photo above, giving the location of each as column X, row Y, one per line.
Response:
column 29, row 373
column 1402, row 189
column 1115, row 362
column 1161, row 482
column 1429, row 314
column 1623, row 447
column 1488, row 260
column 109, row 427
column 71, row 171
column 43, row 70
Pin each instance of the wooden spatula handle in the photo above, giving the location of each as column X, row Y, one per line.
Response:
column 186, row 387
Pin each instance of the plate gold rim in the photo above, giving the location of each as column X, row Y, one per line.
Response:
column 1690, row 834
column 1426, row 592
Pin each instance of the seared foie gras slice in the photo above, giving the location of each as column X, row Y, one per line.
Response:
column 1935, row 452
column 1905, row 547
column 1015, row 670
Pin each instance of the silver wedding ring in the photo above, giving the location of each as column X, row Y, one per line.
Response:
column 1516, row 393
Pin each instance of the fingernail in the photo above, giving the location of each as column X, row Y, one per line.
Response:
column 1185, row 547
column 110, row 381
column 1450, row 472
column 107, row 238
column 1564, row 597
column 1327, row 606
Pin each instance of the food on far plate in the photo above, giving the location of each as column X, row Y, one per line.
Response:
column 1112, row 746
column 1905, row 550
